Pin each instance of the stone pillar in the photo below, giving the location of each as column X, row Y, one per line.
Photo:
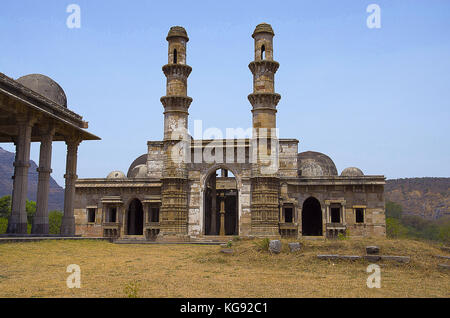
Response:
column 213, row 204
column 40, row 220
column 68, row 220
column 222, row 214
column 17, row 223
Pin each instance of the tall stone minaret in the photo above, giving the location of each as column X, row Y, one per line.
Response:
column 174, row 207
column 265, row 178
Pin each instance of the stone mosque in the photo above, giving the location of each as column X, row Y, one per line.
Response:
column 162, row 199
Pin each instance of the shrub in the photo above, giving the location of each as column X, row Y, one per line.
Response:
column 263, row 244
column 3, row 225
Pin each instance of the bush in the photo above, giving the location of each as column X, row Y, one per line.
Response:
column 263, row 244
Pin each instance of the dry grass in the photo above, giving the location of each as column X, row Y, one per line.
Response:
column 109, row 270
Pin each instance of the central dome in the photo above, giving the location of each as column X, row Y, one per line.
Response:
column 315, row 164
column 44, row 86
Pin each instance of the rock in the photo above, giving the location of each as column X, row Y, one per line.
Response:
column 443, row 266
column 295, row 247
column 401, row 259
column 442, row 256
column 275, row 246
column 328, row 256
column 372, row 250
column 226, row 251
column 372, row 258
column 445, row 249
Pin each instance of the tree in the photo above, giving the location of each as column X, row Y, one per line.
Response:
column 54, row 222
column 5, row 206
column 393, row 210
column 30, row 207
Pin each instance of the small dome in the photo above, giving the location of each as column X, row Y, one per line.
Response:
column 263, row 28
column 140, row 171
column 116, row 175
column 177, row 31
column 44, row 86
column 315, row 164
column 352, row 172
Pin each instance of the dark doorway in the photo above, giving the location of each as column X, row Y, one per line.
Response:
column 221, row 190
column 135, row 218
column 311, row 218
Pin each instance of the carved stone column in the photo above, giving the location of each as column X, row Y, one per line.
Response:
column 222, row 214
column 17, row 223
column 40, row 220
column 68, row 220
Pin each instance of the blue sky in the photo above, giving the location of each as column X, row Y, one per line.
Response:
column 378, row 99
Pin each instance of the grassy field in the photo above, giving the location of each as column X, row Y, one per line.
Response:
column 109, row 270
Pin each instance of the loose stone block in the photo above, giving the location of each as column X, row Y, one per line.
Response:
column 275, row 246
column 443, row 256
column 227, row 251
column 295, row 247
column 372, row 250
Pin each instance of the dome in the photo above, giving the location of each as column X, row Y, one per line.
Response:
column 177, row 31
column 116, row 175
column 352, row 172
column 44, row 86
column 140, row 171
column 315, row 164
column 263, row 28
column 141, row 160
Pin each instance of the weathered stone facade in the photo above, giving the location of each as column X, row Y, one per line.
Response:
column 265, row 186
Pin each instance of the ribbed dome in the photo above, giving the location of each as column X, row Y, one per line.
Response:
column 141, row 160
column 140, row 171
column 44, row 86
column 315, row 164
column 352, row 172
column 116, row 175
column 177, row 31
column 263, row 28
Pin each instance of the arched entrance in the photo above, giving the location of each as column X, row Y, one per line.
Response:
column 135, row 218
column 221, row 204
column 311, row 218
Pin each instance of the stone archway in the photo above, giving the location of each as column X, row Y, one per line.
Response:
column 135, row 215
column 312, row 218
column 220, row 203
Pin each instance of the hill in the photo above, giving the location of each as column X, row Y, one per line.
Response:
column 56, row 193
column 425, row 197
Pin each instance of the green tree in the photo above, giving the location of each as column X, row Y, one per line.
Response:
column 395, row 229
column 54, row 222
column 30, row 207
column 5, row 206
column 393, row 210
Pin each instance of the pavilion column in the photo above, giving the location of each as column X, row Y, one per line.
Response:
column 222, row 214
column 68, row 220
column 40, row 220
column 17, row 223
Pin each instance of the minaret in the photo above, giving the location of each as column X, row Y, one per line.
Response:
column 265, row 178
column 174, row 207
